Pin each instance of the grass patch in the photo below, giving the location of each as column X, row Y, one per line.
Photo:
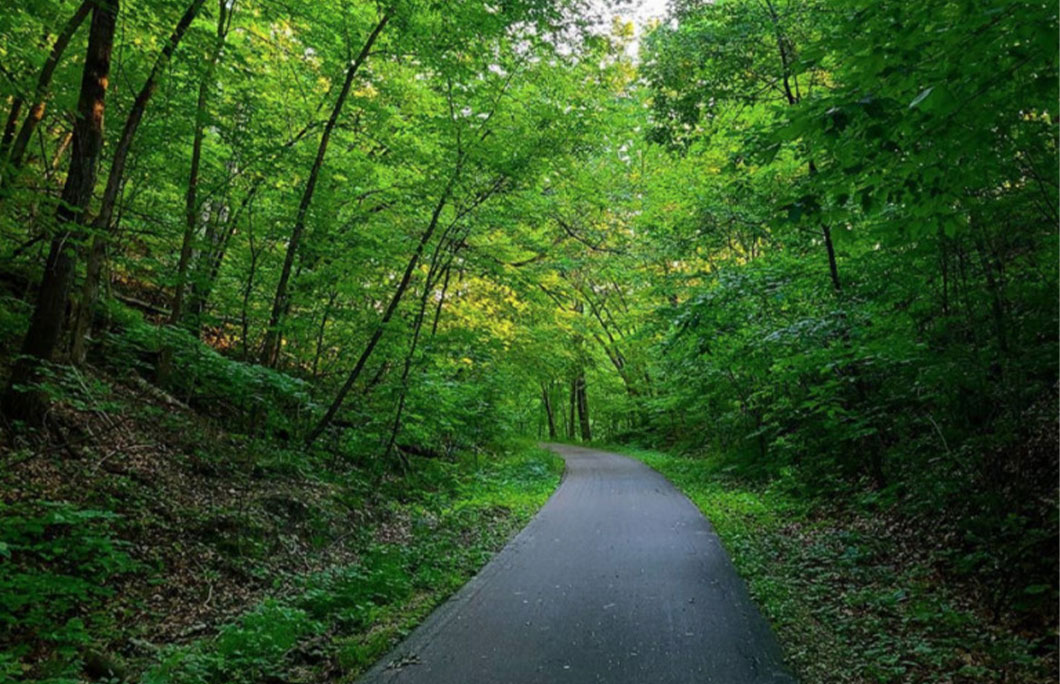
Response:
column 849, row 600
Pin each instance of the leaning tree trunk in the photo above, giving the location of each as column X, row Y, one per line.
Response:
column 434, row 272
column 395, row 300
column 102, row 225
column 46, row 324
column 40, row 101
column 271, row 348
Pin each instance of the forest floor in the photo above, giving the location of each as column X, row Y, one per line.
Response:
column 857, row 594
column 148, row 544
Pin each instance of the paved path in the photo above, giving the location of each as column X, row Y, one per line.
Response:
column 618, row 579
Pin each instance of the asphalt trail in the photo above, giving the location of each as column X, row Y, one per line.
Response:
column 617, row 579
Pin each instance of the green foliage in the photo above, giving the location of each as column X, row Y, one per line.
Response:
column 260, row 400
column 54, row 560
column 353, row 596
column 247, row 650
column 859, row 298
column 70, row 386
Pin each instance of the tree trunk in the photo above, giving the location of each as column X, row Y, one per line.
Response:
column 548, row 412
column 191, row 205
column 208, row 266
column 9, row 129
column 583, row 408
column 46, row 323
column 833, row 268
column 997, row 308
column 433, row 273
column 441, row 301
column 36, row 110
column 102, row 224
column 320, row 332
column 573, row 407
column 271, row 348
column 249, row 286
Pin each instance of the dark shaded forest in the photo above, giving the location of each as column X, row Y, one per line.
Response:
column 288, row 292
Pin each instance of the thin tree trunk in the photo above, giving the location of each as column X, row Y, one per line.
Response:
column 249, row 285
column 783, row 48
column 320, row 331
column 10, row 126
column 826, row 233
column 203, row 283
column 563, row 416
column 944, row 272
column 191, row 205
column 46, row 323
column 428, row 286
column 395, row 427
column 201, row 291
column 583, row 409
column 40, row 101
column 388, row 314
column 573, row 406
column 997, row 308
column 833, row 268
column 102, row 224
column 60, row 150
column 785, row 58
column 441, row 300
column 271, row 349
column 548, row 411
column 214, row 243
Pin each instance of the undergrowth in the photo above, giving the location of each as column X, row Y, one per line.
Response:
column 172, row 528
column 149, row 544
column 852, row 599
column 341, row 620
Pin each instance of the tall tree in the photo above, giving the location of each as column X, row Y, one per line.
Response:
column 103, row 224
column 191, row 201
column 273, row 334
column 21, row 399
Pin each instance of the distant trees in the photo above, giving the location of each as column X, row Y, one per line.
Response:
column 12, row 146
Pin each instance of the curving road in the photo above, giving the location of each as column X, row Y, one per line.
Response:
column 617, row 579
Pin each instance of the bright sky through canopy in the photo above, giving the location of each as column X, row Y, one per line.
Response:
column 640, row 12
